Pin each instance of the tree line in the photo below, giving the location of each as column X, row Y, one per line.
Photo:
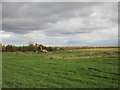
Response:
column 31, row 47
column 13, row 48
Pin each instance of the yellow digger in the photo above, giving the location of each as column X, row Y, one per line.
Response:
column 39, row 48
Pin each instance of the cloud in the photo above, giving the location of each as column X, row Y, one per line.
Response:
column 60, row 23
column 36, row 16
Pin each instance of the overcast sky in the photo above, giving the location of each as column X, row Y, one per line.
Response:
column 60, row 23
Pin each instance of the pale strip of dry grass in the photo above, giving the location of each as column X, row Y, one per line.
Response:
column 100, row 49
column 75, row 57
column 22, row 53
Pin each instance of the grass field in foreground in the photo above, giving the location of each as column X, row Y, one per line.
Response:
column 61, row 69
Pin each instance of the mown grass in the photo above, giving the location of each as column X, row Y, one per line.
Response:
column 0, row 70
column 30, row 70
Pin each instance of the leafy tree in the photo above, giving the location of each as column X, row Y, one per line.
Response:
column 10, row 48
column 31, row 47
column 0, row 47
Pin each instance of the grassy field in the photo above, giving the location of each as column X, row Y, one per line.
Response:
column 85, row 68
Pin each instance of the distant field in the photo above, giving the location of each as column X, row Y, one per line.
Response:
column 83, row 68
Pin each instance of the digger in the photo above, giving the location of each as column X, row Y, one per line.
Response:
column 39, row 49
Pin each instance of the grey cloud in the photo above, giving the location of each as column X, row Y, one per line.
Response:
column 59, row 23
column 0, row 16
column 36, row 16
column 62, row 32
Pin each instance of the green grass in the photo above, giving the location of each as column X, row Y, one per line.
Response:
column 0, row 70
column 61, row 69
